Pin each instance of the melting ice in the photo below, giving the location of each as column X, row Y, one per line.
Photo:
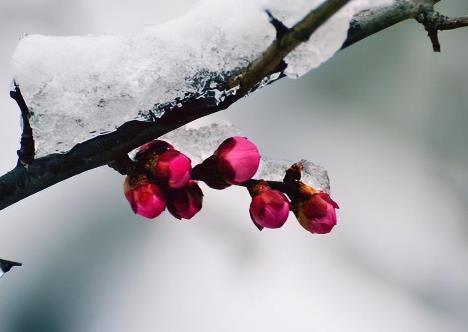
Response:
column 82, row 86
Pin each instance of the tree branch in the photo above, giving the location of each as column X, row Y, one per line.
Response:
column 24, row 181
column 434, row 22
column 368, row 22
column 269, row 61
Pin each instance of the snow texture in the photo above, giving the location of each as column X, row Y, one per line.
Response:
column 200, row 143
column 81, row 86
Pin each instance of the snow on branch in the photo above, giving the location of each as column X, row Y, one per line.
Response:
column 101, row 97
column 80, row 87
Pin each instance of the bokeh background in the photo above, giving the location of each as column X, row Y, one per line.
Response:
column 388, row 119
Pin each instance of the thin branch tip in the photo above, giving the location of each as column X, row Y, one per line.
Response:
column 279, row 26
column 26, row 153
column 5, row 265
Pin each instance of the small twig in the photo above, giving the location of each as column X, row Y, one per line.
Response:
column 6, row 266
column 27, row 149
column 449, row 23
column 280, row 28
column 434, row 22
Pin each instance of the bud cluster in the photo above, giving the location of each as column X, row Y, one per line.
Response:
column 163, row 177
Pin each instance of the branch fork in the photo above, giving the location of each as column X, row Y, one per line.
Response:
column 434, row 22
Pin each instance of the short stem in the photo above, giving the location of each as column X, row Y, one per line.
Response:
column 208, row 172
column 123, row 165
column 289, row 188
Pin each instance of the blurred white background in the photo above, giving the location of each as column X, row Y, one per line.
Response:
column 388, row 119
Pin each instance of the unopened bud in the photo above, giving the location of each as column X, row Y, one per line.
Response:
column 146, row 198
column 315, row 211
column 172, row 168
column 186, row 202
column 238, row 159
column 269, row 208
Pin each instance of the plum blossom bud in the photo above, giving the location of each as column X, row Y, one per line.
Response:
column 238, row 159
column 145, row 197
column 269, row 208
column 186, row 202
column 234, row 162
column 316, row 213
column 166, row 164
column 173, row 168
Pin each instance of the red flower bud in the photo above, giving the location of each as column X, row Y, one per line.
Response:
column 145, row 197
column 316, row 213
column 186, row 202
column 171, row 167
column 269, row 208
column 167, row 165
column 238, row 159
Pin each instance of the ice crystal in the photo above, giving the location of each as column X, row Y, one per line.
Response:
column 199, row 143
column 312, row 174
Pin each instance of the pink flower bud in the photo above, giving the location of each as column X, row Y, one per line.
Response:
column 238, row 159
column 167, row 165
column 172, row 167
column 145, row 197
column 186, row 202
column 269, row 208
column 317, row 213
